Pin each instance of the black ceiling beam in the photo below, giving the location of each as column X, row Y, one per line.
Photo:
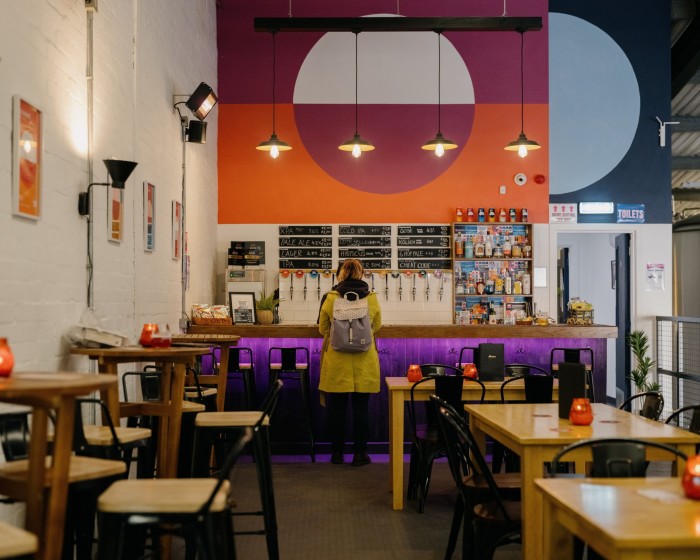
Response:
column 685, row 56
column 685, row 124
column 689, row 163
column 329, row 24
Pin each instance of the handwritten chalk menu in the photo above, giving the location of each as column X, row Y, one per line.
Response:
column 424, row 247
column 246, row 253
column 370, row 244
column 308, row 246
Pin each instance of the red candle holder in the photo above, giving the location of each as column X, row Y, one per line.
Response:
column 414, row 373
column 7, row 360
column 470, row 371
column 691, row 478
column 581, row 412
column 147, row 332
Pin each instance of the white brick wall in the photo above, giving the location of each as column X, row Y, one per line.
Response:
column 144, row 53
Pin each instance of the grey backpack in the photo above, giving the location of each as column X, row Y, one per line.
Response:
column 351, row 327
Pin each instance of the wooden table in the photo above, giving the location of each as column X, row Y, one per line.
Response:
column 400, row 392
column 620, row 518
column 536, row 433
column 44, row 392
column 173, row 362
column 223, row 342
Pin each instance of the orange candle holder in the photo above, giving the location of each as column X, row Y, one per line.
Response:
column 581, row 412
column 691, row 478
column 147, row 332
column 470, row 371
column 414, row 373
column 7, row 360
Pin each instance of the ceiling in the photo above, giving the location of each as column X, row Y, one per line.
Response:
column 685, row 108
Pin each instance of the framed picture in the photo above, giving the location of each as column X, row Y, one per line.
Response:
column 242, row 306
column 27, row 158
column 149, row 216
column 613, row 274
column 115, row 210
column 177, row 230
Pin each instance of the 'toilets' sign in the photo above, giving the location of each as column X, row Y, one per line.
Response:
column 630, row 213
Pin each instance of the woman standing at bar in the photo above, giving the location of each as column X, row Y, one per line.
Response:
column 346, row 374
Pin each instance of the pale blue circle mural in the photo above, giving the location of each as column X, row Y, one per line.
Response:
column 593, row 103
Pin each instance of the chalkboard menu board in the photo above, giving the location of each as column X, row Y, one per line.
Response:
column 246, row 253
column 370, row 244
column 424, row 247
column 305, row 247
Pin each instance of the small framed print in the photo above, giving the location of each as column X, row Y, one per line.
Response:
column 149, row 216
column 177, row 230
column 242, row 306
column 115, row 210
column 27, row 158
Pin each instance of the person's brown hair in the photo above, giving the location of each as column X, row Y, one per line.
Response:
column 351, row 269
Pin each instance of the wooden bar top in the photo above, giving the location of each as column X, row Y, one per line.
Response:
column 419, row 331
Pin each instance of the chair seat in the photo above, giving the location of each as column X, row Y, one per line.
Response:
column 193, row 392
column 102, row 435
column 16, row 541
column 164, row 495
column 297, row 366
column 490, row 511
column 230, row 419
column 81, row 469
column 191, row 406
column 240, row 366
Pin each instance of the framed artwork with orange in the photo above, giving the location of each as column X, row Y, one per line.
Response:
column 27, row 158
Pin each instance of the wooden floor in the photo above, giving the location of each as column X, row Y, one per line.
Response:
column 339, row 512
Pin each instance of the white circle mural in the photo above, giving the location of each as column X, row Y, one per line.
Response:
column 593, row 103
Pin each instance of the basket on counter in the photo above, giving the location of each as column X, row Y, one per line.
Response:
column 211, row 321
column 577, row 317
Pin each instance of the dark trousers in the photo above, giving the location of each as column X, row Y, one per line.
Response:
column 336, row 406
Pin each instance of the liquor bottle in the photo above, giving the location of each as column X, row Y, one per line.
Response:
column 527, row 287
column 488, row 248
column 459, row 246
column 508, row 284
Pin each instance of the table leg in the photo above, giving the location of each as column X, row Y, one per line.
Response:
column 396, row 428
column 174, row 419
column 223, row 375
column 36, row 474
column 531, row 468
column 58, row 487
column 557, row 542
column 110, row 395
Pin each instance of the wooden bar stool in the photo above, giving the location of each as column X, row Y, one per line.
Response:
column 17, row 544
column 212, row 428
column 292, row 363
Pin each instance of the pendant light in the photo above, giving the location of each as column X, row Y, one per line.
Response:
column 274, row 145
column 439, row 144
column 522, row 145
column 356, row 144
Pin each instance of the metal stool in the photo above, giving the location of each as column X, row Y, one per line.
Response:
column 573, row 355
column 292, row 363
column 241, row 368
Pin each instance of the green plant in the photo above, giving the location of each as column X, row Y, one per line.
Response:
column 639, row 345
column 266, row 302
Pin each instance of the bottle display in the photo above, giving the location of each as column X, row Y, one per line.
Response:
column 493, row 270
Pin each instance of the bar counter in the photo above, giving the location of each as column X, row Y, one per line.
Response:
column 421, row 331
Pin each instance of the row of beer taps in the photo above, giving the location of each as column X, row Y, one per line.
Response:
column 407, row 285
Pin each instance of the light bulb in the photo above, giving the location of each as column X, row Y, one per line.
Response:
column 439, row 150
column 274, row 151
column 522, row 150
column 356, row 151
column 27, row 146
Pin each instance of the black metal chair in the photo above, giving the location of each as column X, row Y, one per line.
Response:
column 574, row 355
column 196, row 508
column 466, row 349
column 292, row 364
column 426, row 444
column 241, row 367
column 680, row 416
column 652, row 406
column 489, row 520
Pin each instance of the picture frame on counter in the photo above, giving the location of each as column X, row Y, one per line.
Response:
column 27, row 158
column 242, row 306
column 149, row 216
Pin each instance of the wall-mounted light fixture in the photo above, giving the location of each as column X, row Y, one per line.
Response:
column 119, row 171
column 439, row 144
column 522, row 145
column 356, row 144
column 202, row 101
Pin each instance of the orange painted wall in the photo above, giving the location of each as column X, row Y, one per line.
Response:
column 255, row 189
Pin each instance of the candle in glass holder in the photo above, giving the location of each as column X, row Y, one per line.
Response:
column 581, row 412
column 470, row 371
column 147, row 332
column 414, row 373
column 691, row 478
column 7, row 360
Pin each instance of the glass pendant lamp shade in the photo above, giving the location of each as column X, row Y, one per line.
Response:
column 439, row 144
column 356, row 144
column 522, row 145
column 273, row 145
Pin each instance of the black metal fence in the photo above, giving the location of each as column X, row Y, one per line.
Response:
column 678, row 363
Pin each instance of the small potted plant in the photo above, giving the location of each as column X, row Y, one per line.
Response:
column 265, row 306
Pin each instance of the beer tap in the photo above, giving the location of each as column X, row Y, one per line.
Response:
column 386, row 287
column 413, row 276
column 438, row 274
column 304, row 286
column 400, row 289
column 427, row 287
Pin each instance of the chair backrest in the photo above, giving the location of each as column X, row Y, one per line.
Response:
column 464, row 456
column 439, row 369
column 464, row 350
column 678, row 415
column 270, row 400
column 412, row 408
column 227, row 466
column 652, row 406
column 149, row 380
column 616, row 457
column 288, row 357
column 539, row 383
column 236, row 354
column 14, row 435
column 571, row 355
column 80, row 443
